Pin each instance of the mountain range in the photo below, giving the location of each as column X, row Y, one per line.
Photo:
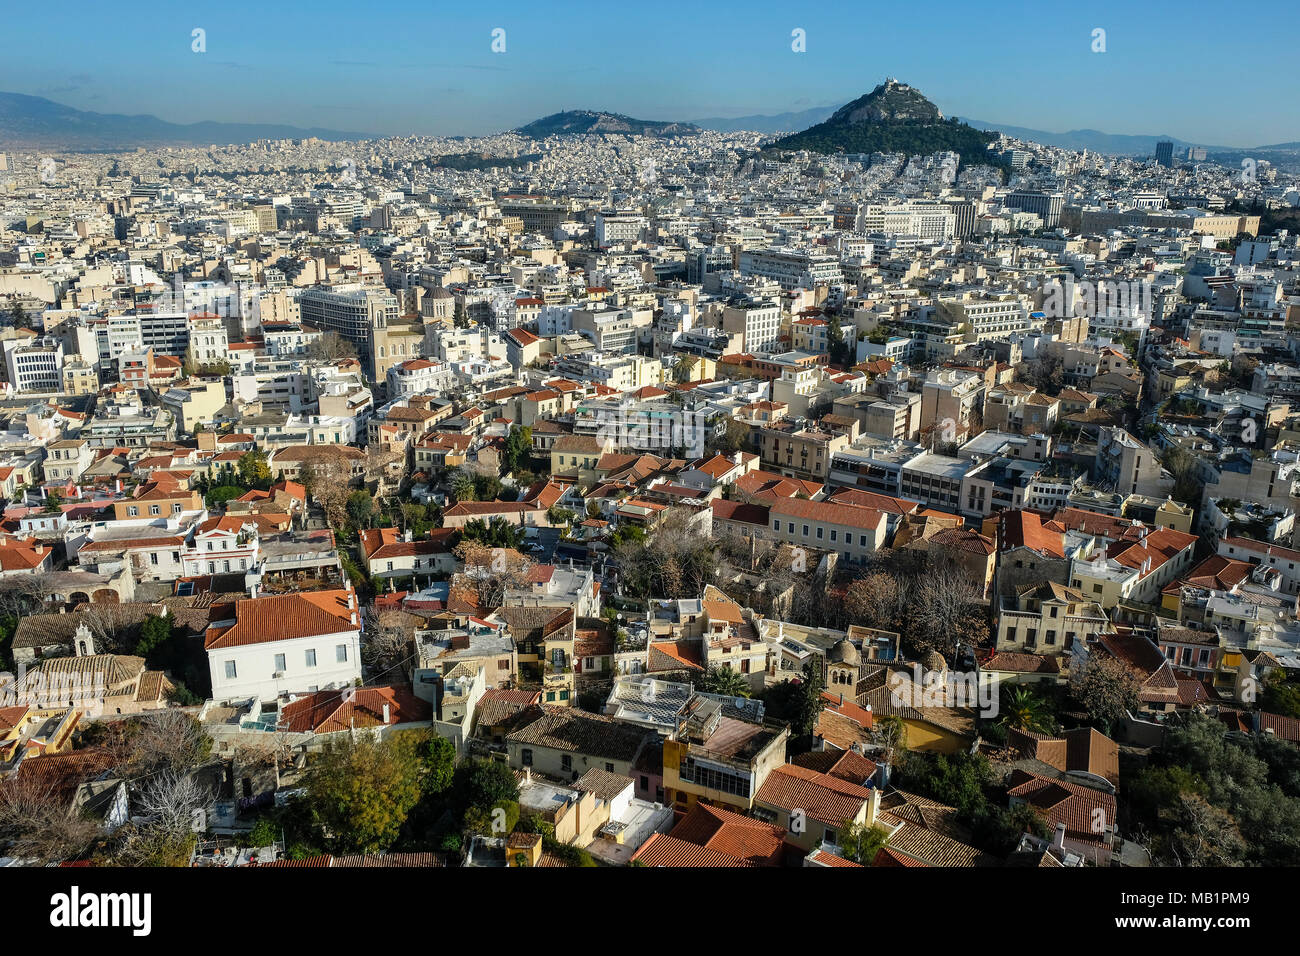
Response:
column 35, row 122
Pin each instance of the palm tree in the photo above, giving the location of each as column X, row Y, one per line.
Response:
column 1025, row 710
column 725, row 682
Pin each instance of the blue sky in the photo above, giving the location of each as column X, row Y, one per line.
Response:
column 1210, row 73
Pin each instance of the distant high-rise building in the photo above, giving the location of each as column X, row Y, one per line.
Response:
column 1196, row 154
column 1046, row 206
column 1165, row 153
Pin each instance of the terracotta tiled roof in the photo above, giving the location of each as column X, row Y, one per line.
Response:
column 283, row 617
column 822, row 797
column 331, row 711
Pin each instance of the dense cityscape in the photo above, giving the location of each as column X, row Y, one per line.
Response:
column 616, row 493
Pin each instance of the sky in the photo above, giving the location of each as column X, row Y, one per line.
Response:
column 1209, row 73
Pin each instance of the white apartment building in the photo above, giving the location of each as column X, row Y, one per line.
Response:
column 35, row 365
column 286, row 644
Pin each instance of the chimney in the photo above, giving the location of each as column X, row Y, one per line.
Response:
column 873, row 806
column 387, row 712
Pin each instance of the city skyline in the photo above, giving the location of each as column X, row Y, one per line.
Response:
column 432, row 79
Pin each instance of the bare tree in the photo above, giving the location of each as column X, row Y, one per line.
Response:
column 387, row 647
column 167, row 740
column 492, row 571
column 174, row 801
column 946, row 601
column 331, row 347
column 37, row 822
column 328, row 483
column 21, row 594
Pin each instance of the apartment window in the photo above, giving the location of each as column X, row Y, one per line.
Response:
column 280, row 663
column 153, row 557
column 155, row 510
column 341, row 653
column 132, row 511
column 230, row 670
column 805, row 531
column 311, row 657
column 176, row 508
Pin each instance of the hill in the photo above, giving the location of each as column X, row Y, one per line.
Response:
column 578, row 122
column 892, row 118
column 33, row 121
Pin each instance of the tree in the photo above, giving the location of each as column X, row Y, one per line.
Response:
column 492, row 571
column 724, row 681
column 21, row 594
column 331, row 347
column 165, row 740
column 461, row 484
column 254, row 471
column 327, row 483
column 53, row 500
column 860, row 842
column 482, row 784
column 1185, row 468
column 496, row 532
column 1022, row 709
column 876, row 600
column 807, row 703
column 361, row 790
column 361, row 509
column 438, row 755
column 1047, row 373
column 36, row 824
column 387, row 648
column 518, row 450
column 155, row 632
column 1108, row 690
column 947, row 609
column 487, row 487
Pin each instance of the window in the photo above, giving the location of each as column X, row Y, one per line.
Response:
column 132, row 511
column 155, row 510
column 230, row 670
column 609, row 767
column 341, row 653
column 526, row 756
column 566, row 763
column 280, row 663
column 311, row 657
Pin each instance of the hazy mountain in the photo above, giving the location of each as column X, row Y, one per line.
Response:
column 1111, row 144
column 892, row 118
column 593, row 121
column 775, row 123
column 33, row 121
